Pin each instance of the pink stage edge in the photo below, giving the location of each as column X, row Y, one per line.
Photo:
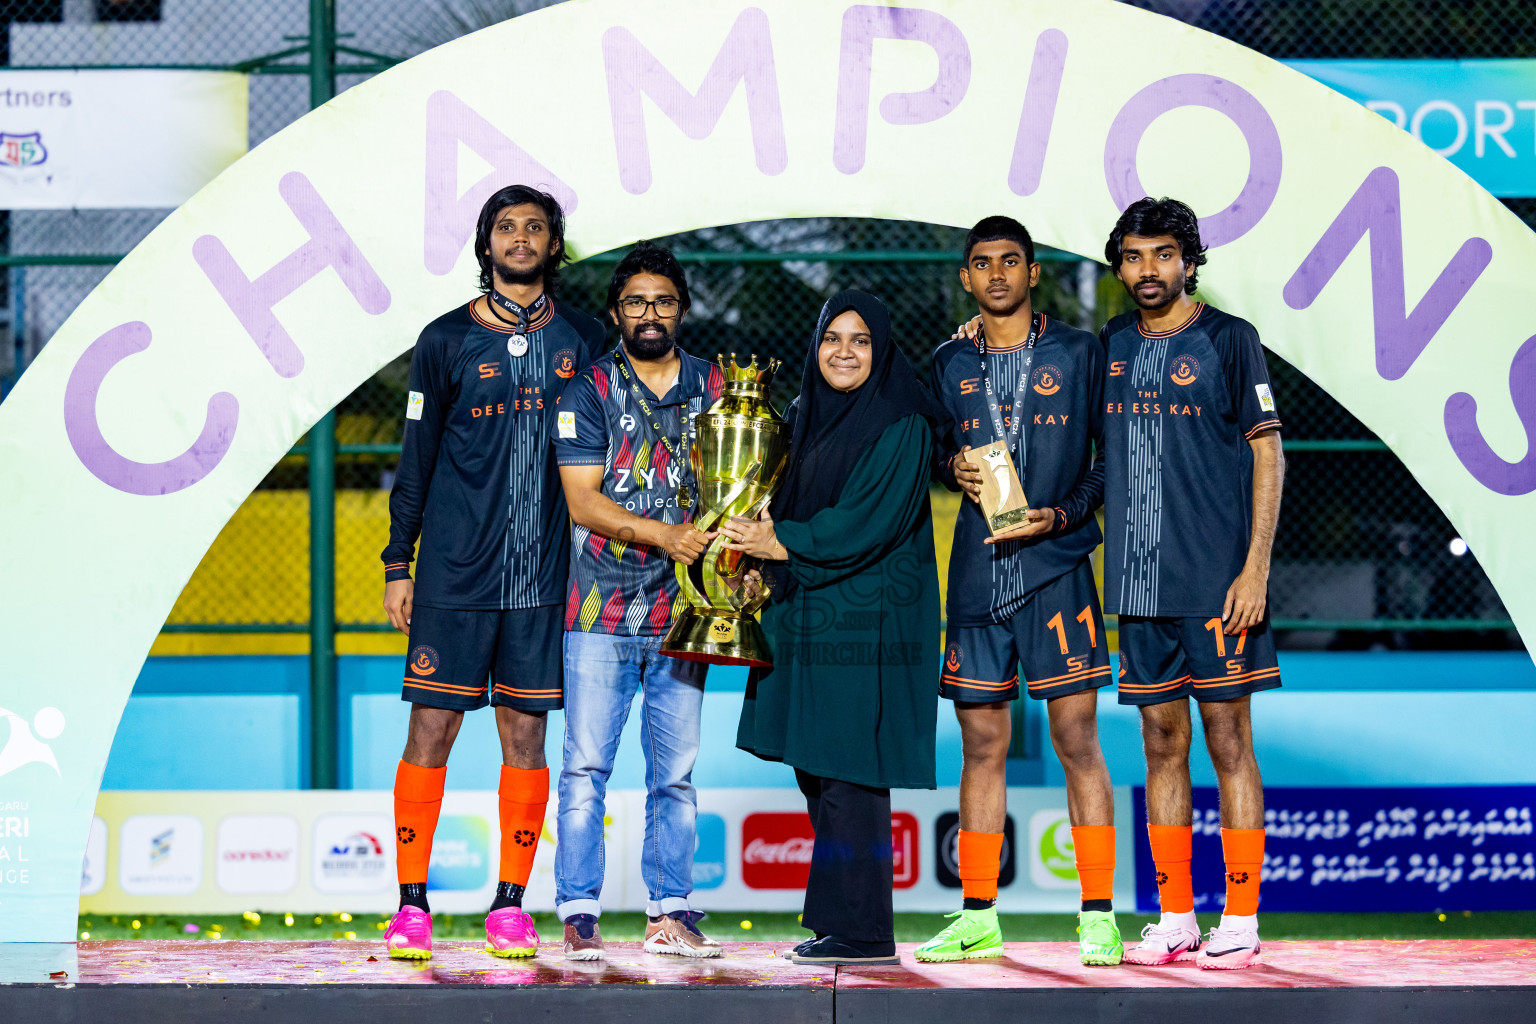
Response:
column 1037, row 965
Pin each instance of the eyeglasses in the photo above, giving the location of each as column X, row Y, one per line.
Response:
column 634, row 307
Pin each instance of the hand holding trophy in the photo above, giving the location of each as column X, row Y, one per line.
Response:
column 739, row 452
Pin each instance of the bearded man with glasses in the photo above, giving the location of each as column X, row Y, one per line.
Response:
column 622, row 439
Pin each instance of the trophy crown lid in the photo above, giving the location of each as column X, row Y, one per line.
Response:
column 750, row 373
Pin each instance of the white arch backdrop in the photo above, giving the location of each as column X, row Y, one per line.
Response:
column 1377, row 268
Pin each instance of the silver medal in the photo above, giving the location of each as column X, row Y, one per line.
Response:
column 518, row 344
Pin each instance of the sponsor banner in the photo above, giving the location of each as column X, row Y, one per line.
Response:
column 324, row 851
column 1478, row 114
column 1427, row 848
column 116, row 139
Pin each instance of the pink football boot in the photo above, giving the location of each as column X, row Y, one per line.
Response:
column 510, row 932
column 409, row 935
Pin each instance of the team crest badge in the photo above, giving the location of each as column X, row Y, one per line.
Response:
column 1186, row 370
column 1047, row 379
column 19, row 151
column 423, row 660
column 952, row 658
column 565, row 364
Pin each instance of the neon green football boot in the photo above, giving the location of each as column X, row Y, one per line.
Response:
column 974, row 934
column 1099, row 938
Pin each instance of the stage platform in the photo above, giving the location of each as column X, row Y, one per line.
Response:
column 235, row 982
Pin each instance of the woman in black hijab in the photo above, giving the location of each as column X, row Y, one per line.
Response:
column 854, row 621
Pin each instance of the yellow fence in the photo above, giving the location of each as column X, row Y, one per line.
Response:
column 257, row 571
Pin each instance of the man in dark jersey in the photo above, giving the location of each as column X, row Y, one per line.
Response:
column 1192, row 496
column 622, row 442
column 1026, row 596
column 477, row 484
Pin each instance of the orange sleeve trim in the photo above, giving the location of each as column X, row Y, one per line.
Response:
column 1266, row 425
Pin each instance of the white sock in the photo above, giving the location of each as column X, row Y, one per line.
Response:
column 1248, row 924
column 1185, row 920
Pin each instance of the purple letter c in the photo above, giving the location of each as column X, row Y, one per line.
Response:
column 98, row 456
column 1236, row 103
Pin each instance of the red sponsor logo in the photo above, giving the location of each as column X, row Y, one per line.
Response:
column 905, row 869
column 776, row 850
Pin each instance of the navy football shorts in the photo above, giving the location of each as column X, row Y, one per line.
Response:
column 1172, row 659
column 1057, row 637
column 463, row 660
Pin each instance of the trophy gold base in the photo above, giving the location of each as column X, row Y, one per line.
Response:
column 1007, row 520
column 707, row 634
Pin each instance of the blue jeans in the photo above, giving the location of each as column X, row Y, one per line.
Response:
column 602, row 673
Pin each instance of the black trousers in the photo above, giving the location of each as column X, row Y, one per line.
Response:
column 849, row 892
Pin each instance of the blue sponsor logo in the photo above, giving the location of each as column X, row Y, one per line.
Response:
column 709, row 852
column 461, row 854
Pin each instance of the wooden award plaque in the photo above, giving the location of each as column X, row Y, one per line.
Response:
column 1002, row 495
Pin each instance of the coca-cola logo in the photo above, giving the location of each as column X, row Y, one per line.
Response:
column 776, row 850
column 790, row 851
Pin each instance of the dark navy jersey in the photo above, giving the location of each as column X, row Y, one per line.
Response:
column 617, row 587
column 1063, row 423
column 476, row 480
column 1181, row 407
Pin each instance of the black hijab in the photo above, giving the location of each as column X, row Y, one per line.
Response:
column 833, row 429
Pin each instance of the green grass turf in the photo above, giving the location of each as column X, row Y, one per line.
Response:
column 732, row 926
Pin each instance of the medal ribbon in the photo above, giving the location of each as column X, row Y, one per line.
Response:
column 524, row 315
column 1012, row 435
column 650, row 417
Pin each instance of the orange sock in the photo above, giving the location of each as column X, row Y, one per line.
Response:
column 418, row 799
column 1095, row 855
column 981, row 858
column 1171, row 846
column 521, row 799
column 1243, row 850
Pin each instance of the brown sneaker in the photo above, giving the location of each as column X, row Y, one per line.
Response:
column 582, row 939
column 678, row 934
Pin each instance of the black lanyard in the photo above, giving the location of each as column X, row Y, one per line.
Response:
column 524, row 315
column 678, row 457
column 1012, row 433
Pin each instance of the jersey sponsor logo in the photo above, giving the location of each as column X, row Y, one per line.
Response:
column 627, row 422
column 565, row 363
column 565, row 424
column 1046, row 379
column 1186, row 370
column 1117, row 368
column 423, row 660
column 489, row 370
column 953, row 658
column 1266, row 400
column 414, row 401
column 970, row 385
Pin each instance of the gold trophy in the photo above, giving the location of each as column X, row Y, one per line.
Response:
column 739, row 451
column 1002, row 495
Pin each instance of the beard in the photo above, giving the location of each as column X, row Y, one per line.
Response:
column 648, row 347
column 1166, row 293
column 510, row 275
